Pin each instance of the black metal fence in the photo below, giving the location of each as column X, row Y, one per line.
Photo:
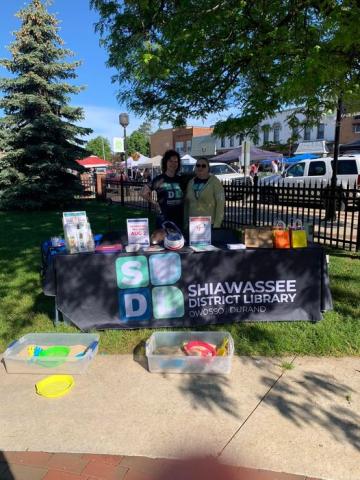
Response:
column 261, row 205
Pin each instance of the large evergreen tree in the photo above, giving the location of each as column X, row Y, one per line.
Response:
column 39, row 133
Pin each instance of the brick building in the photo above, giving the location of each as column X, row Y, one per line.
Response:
column 178, row 139
column 350, row 129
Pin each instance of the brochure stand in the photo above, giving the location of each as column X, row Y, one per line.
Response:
column 77, row 233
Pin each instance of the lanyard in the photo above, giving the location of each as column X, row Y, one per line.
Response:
column 198, row 188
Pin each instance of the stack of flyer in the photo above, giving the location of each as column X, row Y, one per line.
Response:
column 77, row 232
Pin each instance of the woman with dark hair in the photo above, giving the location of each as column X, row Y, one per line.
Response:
column 169, row 189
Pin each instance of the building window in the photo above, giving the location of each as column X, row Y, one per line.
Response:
column 266, row 136
column 188, row 146
column 180, row 148
column 222, row 142
column 231, row 141
column 320, row 131
column 241, row 137
column 356, row 128
column 307, row 133
column 277, row 128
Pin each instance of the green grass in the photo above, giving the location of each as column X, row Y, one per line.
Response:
column 24, row 309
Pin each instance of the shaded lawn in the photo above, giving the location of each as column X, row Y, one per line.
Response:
column 24, row 309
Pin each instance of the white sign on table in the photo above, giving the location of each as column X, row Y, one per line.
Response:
column 200, row 230
column 138, row 231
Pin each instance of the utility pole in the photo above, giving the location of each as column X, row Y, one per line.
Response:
column 103, row 148
column 331, row 211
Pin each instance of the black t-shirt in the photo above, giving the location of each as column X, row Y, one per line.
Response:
column 170, row 197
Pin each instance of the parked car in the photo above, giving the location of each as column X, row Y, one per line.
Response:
column 226, row 174
column 315, row 176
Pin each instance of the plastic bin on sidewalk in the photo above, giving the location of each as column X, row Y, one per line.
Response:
column 15, row 362
column 188, row 364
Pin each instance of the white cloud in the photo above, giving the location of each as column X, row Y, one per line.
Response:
column 105, row 122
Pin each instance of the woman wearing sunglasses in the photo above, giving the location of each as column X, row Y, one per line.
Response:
column 205, row 195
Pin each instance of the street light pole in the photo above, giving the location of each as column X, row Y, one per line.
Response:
column 124, row 122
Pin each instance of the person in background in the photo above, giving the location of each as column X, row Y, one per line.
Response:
column 123, row 176
column 274, row 166
column 146, row 175
column 205, row 195
column 169, row 189
column 254, row 169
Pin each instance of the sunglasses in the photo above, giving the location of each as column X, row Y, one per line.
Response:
column 201, row 165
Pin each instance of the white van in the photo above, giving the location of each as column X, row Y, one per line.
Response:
column 316, row 172
column 313, row 173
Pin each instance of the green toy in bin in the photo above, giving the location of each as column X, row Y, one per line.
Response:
column 60, row 352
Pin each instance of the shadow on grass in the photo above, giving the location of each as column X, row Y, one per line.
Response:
column 343, row 254
column 20, row 261
column 345, row 293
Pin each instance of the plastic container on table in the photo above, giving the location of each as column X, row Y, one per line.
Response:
column 188, row 364
column 16, row 362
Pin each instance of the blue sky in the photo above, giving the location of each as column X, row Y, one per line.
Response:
column 77, row 30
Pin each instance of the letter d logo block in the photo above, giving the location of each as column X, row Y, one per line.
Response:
column 135, row 305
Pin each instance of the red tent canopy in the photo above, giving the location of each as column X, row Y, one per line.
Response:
column 93, row 161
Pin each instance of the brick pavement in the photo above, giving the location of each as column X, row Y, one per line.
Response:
column 60, row 466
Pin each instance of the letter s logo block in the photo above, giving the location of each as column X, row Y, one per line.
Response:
column 132, row 272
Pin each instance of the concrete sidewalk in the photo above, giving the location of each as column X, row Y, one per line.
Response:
column 303, row 420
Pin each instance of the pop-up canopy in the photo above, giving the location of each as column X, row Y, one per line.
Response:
column 350, row 147
column 255, row 155
column 137, row 160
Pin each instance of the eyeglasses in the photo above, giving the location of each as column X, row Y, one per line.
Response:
column 201, row 165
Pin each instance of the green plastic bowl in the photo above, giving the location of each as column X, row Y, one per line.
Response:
column 57, row 351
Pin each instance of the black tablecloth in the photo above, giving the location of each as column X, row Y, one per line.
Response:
column 189, row 289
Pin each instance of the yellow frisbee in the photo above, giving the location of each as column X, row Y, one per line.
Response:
column 55, row 386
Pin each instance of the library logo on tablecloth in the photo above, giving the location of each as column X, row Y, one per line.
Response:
column 146, row 287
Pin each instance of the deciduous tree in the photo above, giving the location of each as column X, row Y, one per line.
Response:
column 100, row 146
column 138, row 142
column 181, row 58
